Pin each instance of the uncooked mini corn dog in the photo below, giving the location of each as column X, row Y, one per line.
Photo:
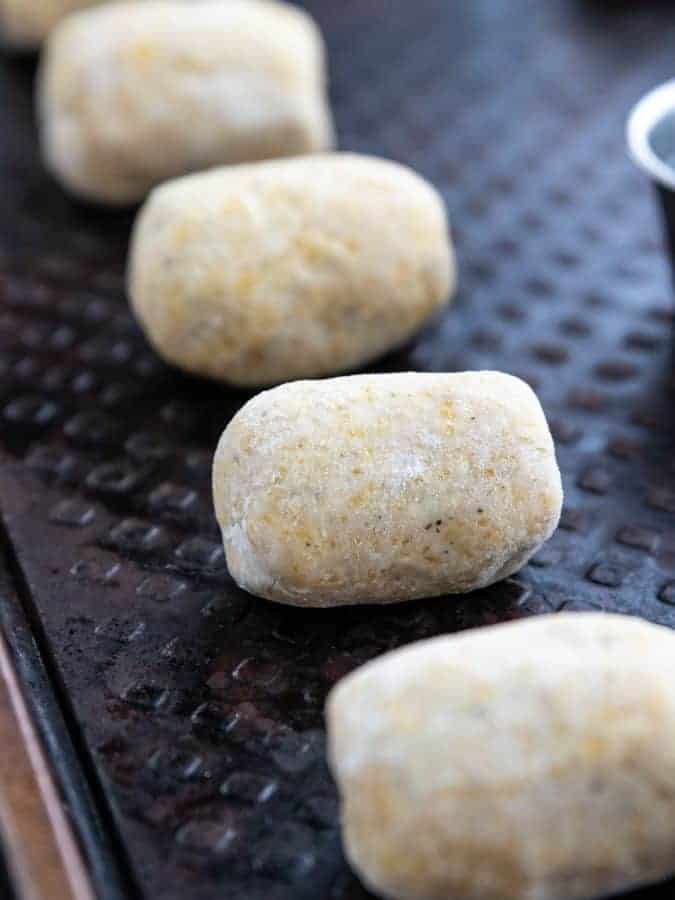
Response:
column 380, row 488
column 132, row 94
column 288, row 269
column 528, row 761
column 24, row 24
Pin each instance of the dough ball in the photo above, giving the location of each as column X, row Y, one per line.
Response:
column 24, row 24
column 381, row 488
column 528, row 761
column 296, row 268
column 130, row 95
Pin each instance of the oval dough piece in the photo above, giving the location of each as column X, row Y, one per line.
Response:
column 381, row 488
column 528, row 761
column 289, row 269
column 24, row 24
column 130, row 95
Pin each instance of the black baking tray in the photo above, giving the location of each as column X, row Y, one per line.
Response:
column 185, row 717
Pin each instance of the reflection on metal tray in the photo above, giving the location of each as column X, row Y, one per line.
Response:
column 196, row 710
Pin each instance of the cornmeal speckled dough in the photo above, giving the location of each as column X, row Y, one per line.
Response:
column 380, row 488
column 289, row 269
column 24, row 24
column 528, row 761
column 132, row 94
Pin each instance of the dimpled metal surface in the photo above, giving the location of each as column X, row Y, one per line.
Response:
column 200, row 707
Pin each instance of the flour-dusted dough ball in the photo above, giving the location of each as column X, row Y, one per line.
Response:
column 528, row 761
column 133, row 94
column 289, row 269
column 24, row 24
column 379, row 488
